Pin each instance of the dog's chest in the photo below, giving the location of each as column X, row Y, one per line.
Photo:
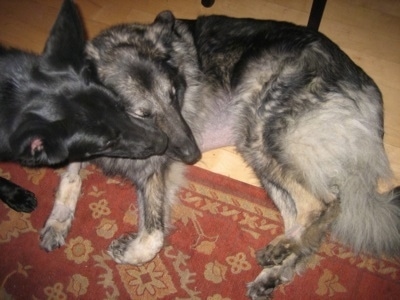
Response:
column 212, row 121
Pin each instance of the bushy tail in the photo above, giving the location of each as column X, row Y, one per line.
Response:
column 369, row 221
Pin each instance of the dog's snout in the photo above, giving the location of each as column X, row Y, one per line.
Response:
column 190, row 154
column 161, row 143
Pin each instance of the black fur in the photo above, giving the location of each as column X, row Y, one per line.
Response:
column 16, row 197
column 54, row 111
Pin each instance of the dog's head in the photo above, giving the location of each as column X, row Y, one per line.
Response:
column 66, row 114
column 136, row 62
column 72, row 127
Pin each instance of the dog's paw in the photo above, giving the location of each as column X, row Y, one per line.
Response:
column 273, row 255
column 52, row 237
column 57, row 226
column 280, row 261
column 265, row 283
column 22, row 201
column 261, row 289
column 136, row 249
column 269, row 278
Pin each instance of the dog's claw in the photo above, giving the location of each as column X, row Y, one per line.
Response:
column 51, row 238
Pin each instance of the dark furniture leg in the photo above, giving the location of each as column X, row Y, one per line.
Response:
column 207, row 3
column 315, row 17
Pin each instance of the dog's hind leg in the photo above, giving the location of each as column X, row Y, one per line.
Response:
column 155, row 196
column 288, row 254
column 306, row 216
column 306, row 224
column 59, row 222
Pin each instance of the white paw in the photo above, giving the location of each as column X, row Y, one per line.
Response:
column 136, row 249
column 57, row 226
column 60, row 220
column 53, row 234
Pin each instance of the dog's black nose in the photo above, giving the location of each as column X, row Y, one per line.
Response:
column 191, row 154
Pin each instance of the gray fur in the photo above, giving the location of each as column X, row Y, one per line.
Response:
column 302, row 114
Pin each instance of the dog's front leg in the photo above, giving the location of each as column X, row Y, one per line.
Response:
column 140, row 248
column 16, row 197
column 156, row 194
column 57, row 225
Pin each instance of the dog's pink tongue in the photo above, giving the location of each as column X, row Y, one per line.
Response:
column 36, row 145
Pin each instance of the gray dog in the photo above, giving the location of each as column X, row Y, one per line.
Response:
column 302, row 114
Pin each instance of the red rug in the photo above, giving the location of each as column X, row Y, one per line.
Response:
column 209, row 255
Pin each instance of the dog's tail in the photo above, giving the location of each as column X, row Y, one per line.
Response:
column 369, row 221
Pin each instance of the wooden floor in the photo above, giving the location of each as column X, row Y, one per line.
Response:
column 367, row 30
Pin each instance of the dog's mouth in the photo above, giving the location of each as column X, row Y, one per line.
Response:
column 142, row 154
column 184, row 154
column 121, row 148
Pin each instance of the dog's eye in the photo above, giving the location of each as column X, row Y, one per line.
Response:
column 141, row 113
column 110, row 143
column 172, row 93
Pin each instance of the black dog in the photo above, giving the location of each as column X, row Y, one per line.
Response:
column 53, row 110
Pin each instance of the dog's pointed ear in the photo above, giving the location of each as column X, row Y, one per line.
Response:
column 66, row 42
column 89, row 72
column 37, row 143
column 164, row 22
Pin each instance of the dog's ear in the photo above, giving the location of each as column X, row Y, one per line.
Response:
column 66, row 42
column 164, row 22
column 38, row 142
column 180, row 89
column 89, row 72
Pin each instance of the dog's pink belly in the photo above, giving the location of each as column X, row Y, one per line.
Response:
column 213, row 120
column 214, row 138
column 217, row 132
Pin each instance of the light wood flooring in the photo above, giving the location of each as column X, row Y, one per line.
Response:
column 367, row 30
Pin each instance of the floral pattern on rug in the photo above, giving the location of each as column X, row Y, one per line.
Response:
column 210, row 254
